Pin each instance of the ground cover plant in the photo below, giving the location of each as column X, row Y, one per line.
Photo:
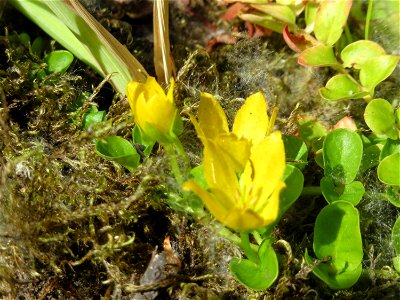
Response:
column 200, row 149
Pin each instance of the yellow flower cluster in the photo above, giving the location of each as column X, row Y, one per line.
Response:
column 243, row 168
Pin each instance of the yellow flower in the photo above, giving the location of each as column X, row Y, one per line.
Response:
column 154, row 112
column 243, row 168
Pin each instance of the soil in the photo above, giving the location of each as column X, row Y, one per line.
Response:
column 76, row 226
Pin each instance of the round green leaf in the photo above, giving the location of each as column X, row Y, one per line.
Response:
column 119, row 150
column 342, row 153
column 357, row 53
column 294, row 181
column 377, row 69
column 337, row 236
column 58, row 61
column 379, row 116
column 351, row 192
column 393, row 195
column 318, row 56
column 389, row 169
column 396, row 236
column 341, row 87
column 330, row 20
column 257, row 276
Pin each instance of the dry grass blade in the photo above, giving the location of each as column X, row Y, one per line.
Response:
column 163, row 62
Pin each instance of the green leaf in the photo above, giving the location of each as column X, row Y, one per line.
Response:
column 393, row 195
column 310, row 12
column 318, row 56
column 341, row 87
column 141, row 139
column 279, row 12
column 377, row 69
column 396, row 263
column 197, row 174
column 390, row 147
column 257, row 276
column 294, row 181
column 370, row 157
column 380, row 118
column 343, row 151
column 311, row 129
column 396, row 236
column 330, row 20
column 389, row 169
column 38, row 46
column 264, row 21
column 295, row 150
column 358, row 53
column 337, row 236
column 119, row 150
column 93, row 116
column 351, row 192
column 58, row 61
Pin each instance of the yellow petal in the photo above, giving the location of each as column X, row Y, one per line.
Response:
column 133, row 90
column 212, row 118
column 236, row 151
column 242, row 220
column 271, row 208
column 251, row 121
column 218, row 171
column 263, row 171
column 170, row 94
column 153, row 87
column 215, row 206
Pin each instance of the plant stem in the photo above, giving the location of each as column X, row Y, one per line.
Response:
column 170, row 149
column 311, row 191
column 368, row 19
column 247, row 249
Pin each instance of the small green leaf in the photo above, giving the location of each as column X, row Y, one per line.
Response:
column 342, row 150
column 330, row 20
column 58, row 61
column 370, row 157
column 294, row 181
column 280, row 12
column 341, row 87
column 295, row 150
column 264, row 21
column 358, row 53
column 257, row 276
column 311, row 129
column 38, row 46
column 119, row 150
column 93, row 116
column 396, row 263
column 310, row 12
column 389, row 169
column 197, row 174
column 390, row 147
column 351, row 192
column 337, row 236
column 379, row 116
column 140, row 139
column 377, row 69
column 396, row 236
column 393, row 195
column 318, row 56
